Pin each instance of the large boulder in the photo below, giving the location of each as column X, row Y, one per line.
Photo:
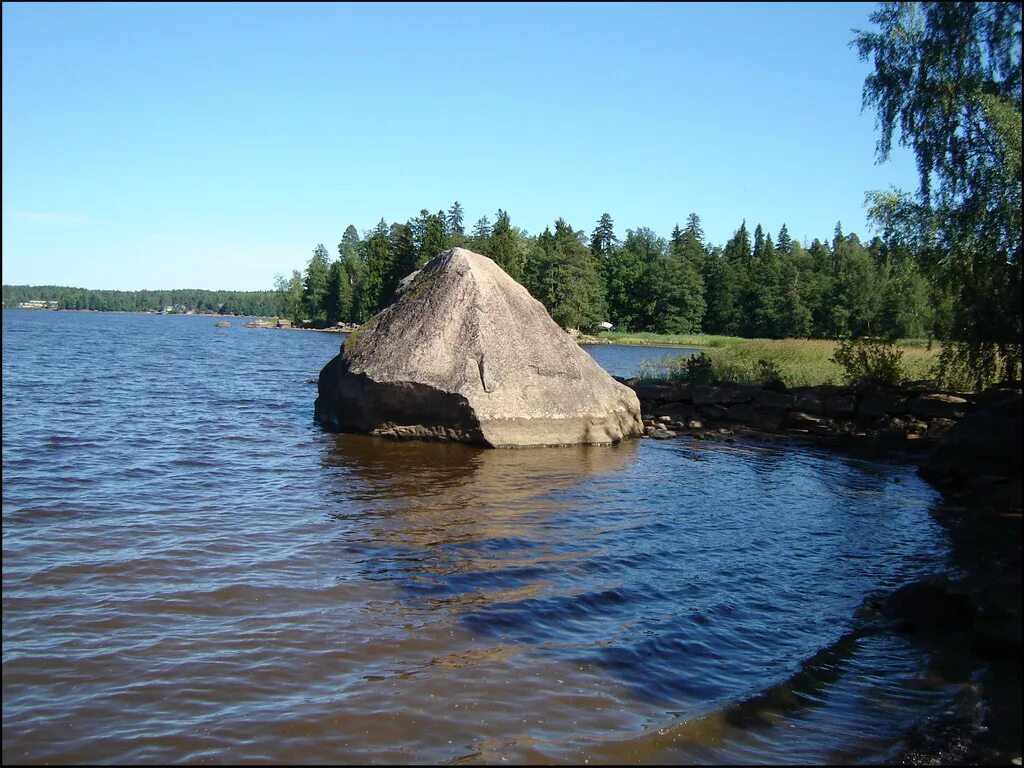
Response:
column 465, row 353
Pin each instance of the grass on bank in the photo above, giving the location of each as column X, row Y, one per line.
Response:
column 669, row 339
column 796, row 362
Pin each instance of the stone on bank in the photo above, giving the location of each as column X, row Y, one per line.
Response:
column 465, row 353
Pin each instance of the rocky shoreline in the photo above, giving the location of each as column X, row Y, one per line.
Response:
column 915, row 413
column 287, row 325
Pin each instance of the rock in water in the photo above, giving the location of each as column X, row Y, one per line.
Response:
column 465, row 353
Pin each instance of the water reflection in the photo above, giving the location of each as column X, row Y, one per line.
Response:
column 460, row 525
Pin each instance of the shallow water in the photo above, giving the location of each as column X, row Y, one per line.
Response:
column 194, row 572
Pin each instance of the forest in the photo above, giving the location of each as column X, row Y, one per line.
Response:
column 250, row 303
column 758, row 284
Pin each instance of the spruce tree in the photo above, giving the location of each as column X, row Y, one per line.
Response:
column 378, row 272
column 602, row 239
column 784, row 242
column 506, row 247
column 694, row 229
column 456, row 233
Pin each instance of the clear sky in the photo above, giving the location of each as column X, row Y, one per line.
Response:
column 213, row 146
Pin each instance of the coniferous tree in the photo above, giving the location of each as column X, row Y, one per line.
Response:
column 339, row 293
column 404, row 253
column 784, row 242
column 481, row 230
column 758, row 242
column 456, row 233
column 314, row 298
column 602, row 239
column 623, row 274
column 378, row 272
column 721, row 294
column 562, row 274
column 647, row 248
column 506, row 247
column 679, row 285
column 763, row 300
column 435, row 238
column 349, row 245
column 693, row 228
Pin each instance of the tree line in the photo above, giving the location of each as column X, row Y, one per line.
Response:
column 757, row 284
column 249, row 303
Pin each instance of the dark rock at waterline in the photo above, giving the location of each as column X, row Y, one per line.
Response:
column 986, row 442
column 934, row 603
column 465, row 353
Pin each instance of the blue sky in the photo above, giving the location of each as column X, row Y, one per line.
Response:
column 213, row 146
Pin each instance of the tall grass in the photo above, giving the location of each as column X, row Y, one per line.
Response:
column 669, row 339
column 797, row 362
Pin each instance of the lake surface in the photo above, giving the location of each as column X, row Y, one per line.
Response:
column 194, row 572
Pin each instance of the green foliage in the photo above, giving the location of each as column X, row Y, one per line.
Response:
column 698, row 369
column 290, row 294
column 623, row 274
column 562, row 274
column 505, row 245
column 768, row 374
column 948, row 77
column 315, row 286
column 602, row 239
column 378, row 273
column 870, row 361
column 456, row 233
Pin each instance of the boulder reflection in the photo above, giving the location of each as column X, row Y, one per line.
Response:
column 458, row 524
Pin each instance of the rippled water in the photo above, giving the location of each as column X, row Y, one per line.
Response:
column 194, row 572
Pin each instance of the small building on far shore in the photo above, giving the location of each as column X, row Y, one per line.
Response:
column 37, row 304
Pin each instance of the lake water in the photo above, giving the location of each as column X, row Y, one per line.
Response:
column 194, row 572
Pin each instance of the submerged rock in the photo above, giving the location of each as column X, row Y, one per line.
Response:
column 465, row 353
